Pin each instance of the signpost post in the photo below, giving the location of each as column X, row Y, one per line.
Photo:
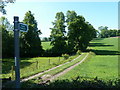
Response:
column 18, row 27
column 16, row 49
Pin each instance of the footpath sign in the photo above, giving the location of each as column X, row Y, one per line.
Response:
column 18, row 27
column 23, row 27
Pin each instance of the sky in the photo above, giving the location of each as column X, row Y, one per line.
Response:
column 96, row 13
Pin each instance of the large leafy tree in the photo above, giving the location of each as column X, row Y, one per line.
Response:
column 31, row 43
column 58, row 34
column 80, row 32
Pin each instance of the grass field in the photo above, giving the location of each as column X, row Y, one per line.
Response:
column 104, row 65
column 46, row 45
column 31, row 66
column 107, row 46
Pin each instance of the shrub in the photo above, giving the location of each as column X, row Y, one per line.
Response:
column 65, row 56
column 79, row 52
column 92, row 53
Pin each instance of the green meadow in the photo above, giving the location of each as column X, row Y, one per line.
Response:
column 46, row 45
column 103, row 65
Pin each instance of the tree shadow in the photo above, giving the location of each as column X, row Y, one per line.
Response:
column 7, row 65
column 99, row 45
column 98, row 38
column 104, row 52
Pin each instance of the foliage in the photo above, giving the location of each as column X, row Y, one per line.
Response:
column 77, row 82
column 7, row 38
column 30, row 41
column 80, row 32
column 92, row 53
column 118, row 33
column 3, row 4
column 58, row 34
column 79, row 52
column 105, row 32
column 45, row 39
column 66, row 56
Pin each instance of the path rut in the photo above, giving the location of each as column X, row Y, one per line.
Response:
column 63, row 72
column 31, row 77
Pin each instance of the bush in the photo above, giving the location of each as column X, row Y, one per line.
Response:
column 92, row 53
column 79, row 52
column 65, row 56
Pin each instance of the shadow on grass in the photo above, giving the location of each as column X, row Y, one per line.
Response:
column 8, row 63
column 104, row 52
column 98, row 45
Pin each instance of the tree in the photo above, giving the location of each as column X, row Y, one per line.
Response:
column 104, row 31
column 103, row 28
column 3, row 4
column 118, row 33
column 112, row 33
column 31, row 43
column 71, row 16
column 45, row 39
column 7, row 38
column 79, row 32
column 58, row 34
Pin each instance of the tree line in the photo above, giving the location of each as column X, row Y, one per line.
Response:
column 104, row 32
column 79, row 33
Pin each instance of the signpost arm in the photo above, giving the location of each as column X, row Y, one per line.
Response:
column 16, row 48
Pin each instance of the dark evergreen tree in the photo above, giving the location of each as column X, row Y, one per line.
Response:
column 30, row 41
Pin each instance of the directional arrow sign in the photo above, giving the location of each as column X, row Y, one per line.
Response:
column 23, row 27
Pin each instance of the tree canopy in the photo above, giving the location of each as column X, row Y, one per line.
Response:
column 80, row 32
column 58, row 34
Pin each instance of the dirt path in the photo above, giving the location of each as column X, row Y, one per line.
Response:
column 65, row 71
column 31, row 77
